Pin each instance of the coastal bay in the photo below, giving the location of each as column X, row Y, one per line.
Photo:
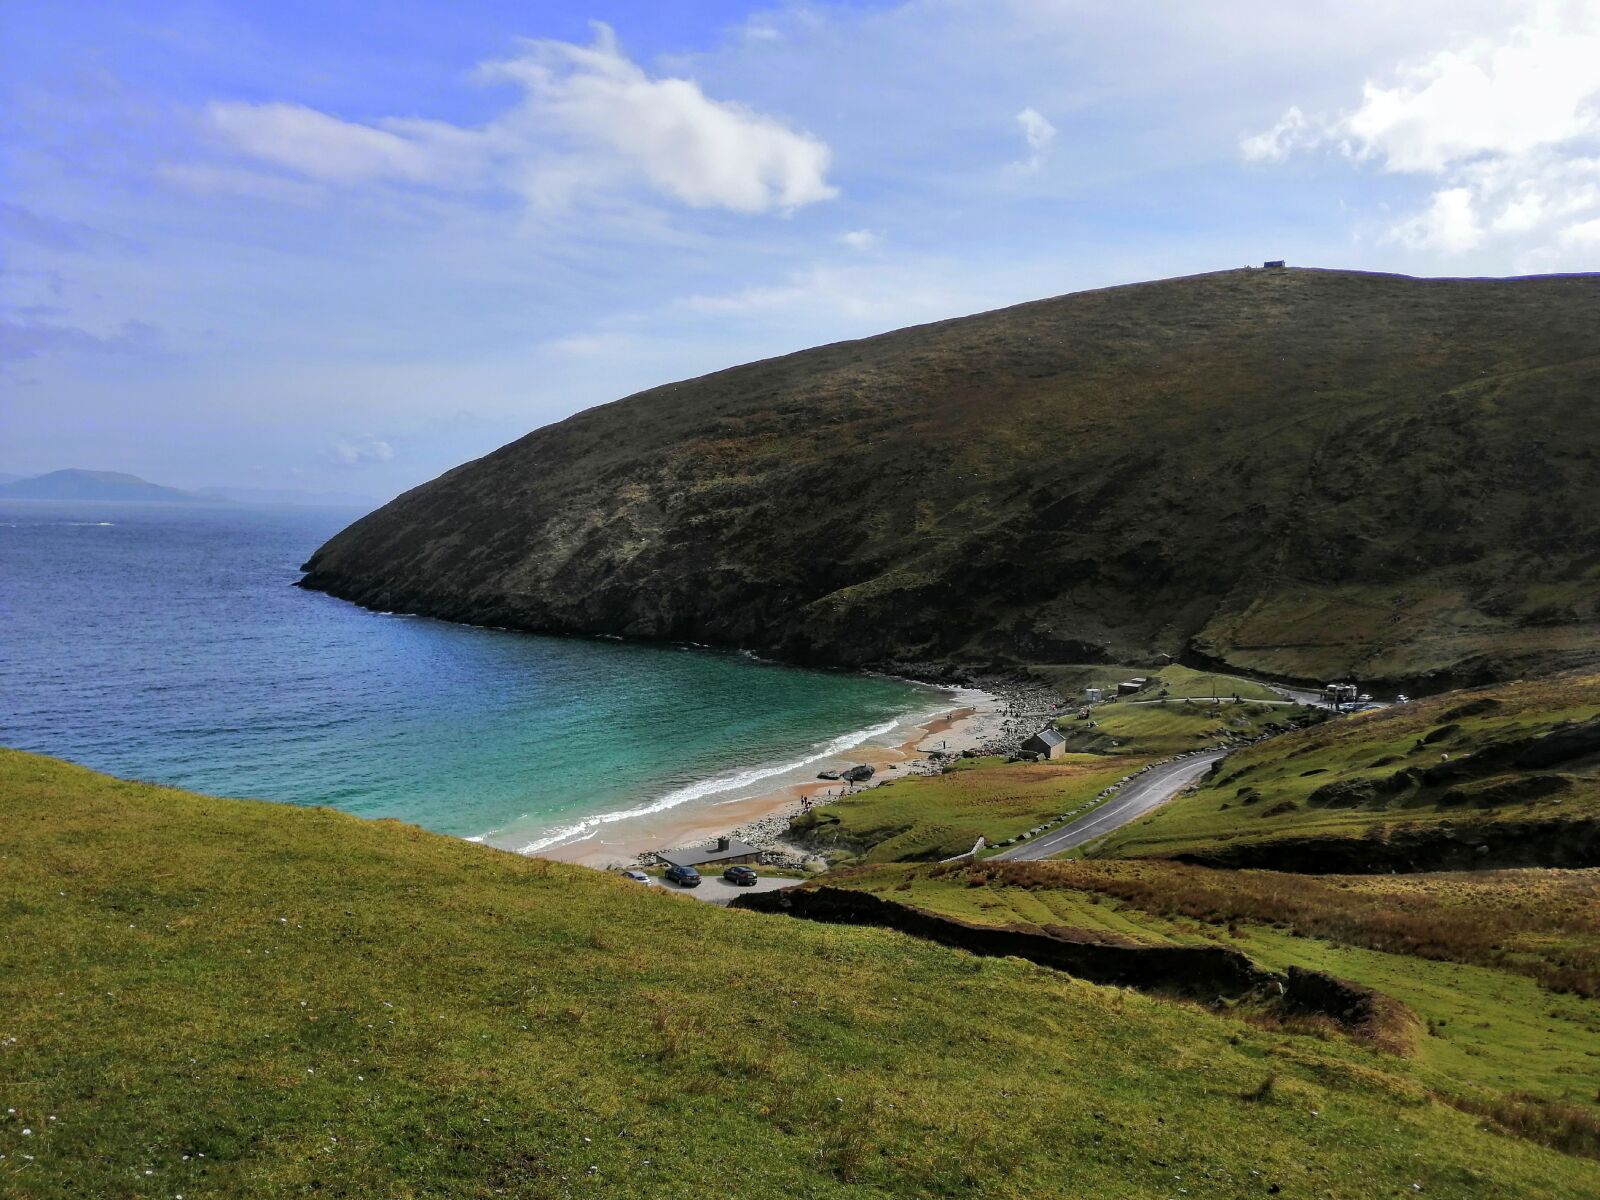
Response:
column 166, row 643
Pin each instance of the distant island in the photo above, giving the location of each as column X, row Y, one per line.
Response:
column 74, row 484
column 118, row 486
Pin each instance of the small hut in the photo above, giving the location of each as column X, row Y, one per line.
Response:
column 1047, row 743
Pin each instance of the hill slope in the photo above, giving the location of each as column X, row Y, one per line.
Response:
column 1312, row 473
column 206, row 997
column 1502, row 776
column 73, row 484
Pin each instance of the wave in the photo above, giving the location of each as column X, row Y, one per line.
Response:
column 585, row 828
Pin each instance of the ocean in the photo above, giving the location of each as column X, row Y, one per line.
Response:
column 166, row 643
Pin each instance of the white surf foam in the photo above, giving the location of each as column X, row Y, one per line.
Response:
column 733, row 781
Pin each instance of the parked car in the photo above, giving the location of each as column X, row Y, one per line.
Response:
column 740, row 876
column 683, row 876
column 637, row 876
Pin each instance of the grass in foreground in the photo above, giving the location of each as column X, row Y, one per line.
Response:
column 1496, row 1041
column 918, row 818
column 219, row 998
column 1434, row 761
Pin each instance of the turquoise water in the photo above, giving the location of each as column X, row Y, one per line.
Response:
column 167, row 644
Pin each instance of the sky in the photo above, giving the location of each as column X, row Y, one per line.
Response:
column 340, row 246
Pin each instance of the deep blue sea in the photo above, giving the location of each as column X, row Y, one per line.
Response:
column 166, row 643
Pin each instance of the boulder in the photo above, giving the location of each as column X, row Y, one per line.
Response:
column 857, row 774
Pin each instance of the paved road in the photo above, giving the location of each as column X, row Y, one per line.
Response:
column 714, row 889
column 1149, row 791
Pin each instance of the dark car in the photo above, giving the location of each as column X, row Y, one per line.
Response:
column 683, row 876
column 740, row 876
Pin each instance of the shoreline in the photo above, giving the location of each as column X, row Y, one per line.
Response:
column 992, row 716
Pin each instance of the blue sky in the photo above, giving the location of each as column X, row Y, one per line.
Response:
column 347, row 246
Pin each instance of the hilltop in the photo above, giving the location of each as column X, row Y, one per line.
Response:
column 1295, row 472
column 208, row 997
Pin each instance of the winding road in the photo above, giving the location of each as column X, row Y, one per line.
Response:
column 1135, row 798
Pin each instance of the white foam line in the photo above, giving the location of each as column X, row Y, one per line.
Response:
column 707, row 787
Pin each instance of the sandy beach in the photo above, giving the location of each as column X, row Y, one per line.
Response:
column 984, row 720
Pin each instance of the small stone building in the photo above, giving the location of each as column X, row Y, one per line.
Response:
column 1047, row 743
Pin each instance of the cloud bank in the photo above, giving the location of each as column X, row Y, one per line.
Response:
column 589, row 120
column 1509, row 125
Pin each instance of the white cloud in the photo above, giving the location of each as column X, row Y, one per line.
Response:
column 870, row 297
column 323, row 147
column 1449, row 224
column 860, row 239
column 207, row 180
column 1039, row 134
column 604, row 344
column 1292, row 132
column 589, row 119
column 1509, row 125
column 359, row 453
column 707, row 153
column 1582, row 233
column 1534, row 89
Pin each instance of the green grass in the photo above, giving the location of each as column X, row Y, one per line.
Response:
column 1280, row 788
column 216, row 998
column 918, row 818
column 1070, row 679
column 1492, row 1030
column 1172, row 726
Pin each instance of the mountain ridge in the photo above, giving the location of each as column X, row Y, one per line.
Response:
column 1298, row 472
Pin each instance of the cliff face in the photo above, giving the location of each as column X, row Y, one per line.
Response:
column 1303, row 472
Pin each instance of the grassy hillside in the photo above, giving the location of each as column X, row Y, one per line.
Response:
column 1171, row 681
column 1502, row 967
column 1159, row 728
column 215, row 998
column 917, row 818
column 1514, row 755
column 1311, row 473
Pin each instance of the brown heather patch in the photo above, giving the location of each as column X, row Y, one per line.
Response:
column 1570, row 1128
column 1541, row 923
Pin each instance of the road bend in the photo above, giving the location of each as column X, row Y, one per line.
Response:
column 1133, row 800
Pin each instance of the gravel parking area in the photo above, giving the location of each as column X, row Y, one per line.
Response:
column 714, row 889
